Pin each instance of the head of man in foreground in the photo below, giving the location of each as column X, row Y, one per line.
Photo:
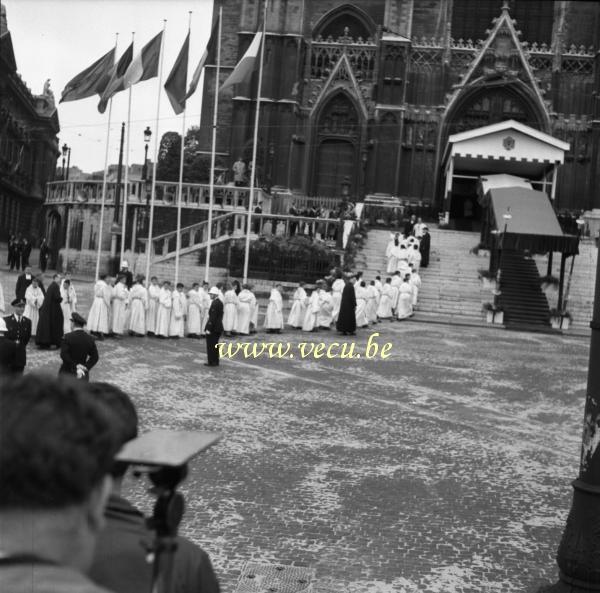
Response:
column 57, row 448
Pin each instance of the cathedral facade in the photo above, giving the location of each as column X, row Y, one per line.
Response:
column 360, row 98
column 28, row 146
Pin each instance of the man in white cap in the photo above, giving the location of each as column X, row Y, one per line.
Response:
column 128, row 275
column 214, row 327
column 8, row 352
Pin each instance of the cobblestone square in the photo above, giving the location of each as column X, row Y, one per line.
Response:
column 445, row 467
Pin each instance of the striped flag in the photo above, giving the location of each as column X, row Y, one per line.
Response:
column 145, row 65
column 116, row 80
column 208, row 57
column 245, row 66
column 177, row 81
column 87, row 83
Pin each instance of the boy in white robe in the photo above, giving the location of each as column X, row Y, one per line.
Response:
column 68, row 303
column 138, row 305
column 230, row 303
column 99, row 316
column 34, row 298
column 163, row 315
column 312, row 311
column 194, row 315
column 372, row 302
column 153, row 298
column 361, row 304
column 120, row 300
column 325, row 316
column 178, row 313
column 205, row 306
column 391, row 253
column 405, row 298
column 396, row 282
column 298, row 310
column 414, row 257
column 379, row 287
column 336, row 294
column 246, row 304
column 384, row 310
column 415, row 281
column 274, row 316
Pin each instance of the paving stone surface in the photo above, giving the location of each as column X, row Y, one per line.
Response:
column 445, row 467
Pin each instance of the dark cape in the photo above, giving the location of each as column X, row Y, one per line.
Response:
column 346, row 322
column 50, row 324
column 424, row 246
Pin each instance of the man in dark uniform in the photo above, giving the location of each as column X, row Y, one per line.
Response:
column 19, row 332
column 424, row 247
column 8, row 352
column 78, row 350
column 214, row 328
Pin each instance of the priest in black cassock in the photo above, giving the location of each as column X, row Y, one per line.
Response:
column 346, row 322
column 50, row 325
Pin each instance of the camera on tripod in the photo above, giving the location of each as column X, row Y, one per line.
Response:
column 164, row 456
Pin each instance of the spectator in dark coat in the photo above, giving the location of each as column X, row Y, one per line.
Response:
column 120, row 562
column 346, row 322
column 25, row 253
column 51, row 322
column 23, row 281
column 44, row 254
column 424, row 247
column 214, row 327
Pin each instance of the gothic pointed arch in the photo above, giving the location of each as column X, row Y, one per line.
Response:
column 347, row 21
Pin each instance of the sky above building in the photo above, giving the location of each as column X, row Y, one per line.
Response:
column 57, row 39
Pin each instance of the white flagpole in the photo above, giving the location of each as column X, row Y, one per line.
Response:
column 180, row 187
column 101, row 226
column 214, row 151
column 153, row 191
column 179, row 192
column 126, row 190
column 255, row 146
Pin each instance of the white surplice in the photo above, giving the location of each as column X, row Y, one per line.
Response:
column 336, row 294
column 312, row 312
column 274, row 316
column 325, row 316
column 99, row 315
column 194, row 316
column 245, row 308
column 384, row 310
column 138, row 305
column 361, row 306
column 68, row 305
column 405, row 308
column 153, row 298
column 415, row 280
column 34, row 298
column 177, row 321
column 120, row 300
column 372, row 302
column 298, row 310
column 230, row 304
column 163, row 315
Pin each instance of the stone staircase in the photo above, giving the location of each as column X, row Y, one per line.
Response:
column 581, row 292
column 450, row 284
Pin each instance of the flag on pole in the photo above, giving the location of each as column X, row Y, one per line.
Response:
column 116, row 81
column 245, row 66
column 208, row 57
column 87, row 83
column 145, row 65
column 177, row 80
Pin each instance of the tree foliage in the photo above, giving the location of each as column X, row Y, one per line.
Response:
column 196, row 166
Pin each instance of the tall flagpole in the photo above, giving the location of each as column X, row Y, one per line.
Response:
column 180, row 187
column 126, row 191
column 101, row 226
column 255, row 146
column 153, row 191
column 214, row 151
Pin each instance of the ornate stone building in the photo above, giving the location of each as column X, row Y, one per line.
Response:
column 28, row 145
column 366, row 93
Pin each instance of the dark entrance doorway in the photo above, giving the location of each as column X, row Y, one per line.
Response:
column 335, row 163
column 465, row 212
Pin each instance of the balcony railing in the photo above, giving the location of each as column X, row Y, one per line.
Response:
column 325, row 54
column 194, row 195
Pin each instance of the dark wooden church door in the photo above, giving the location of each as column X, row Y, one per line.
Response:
column 337, row 146
column 335, row 162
